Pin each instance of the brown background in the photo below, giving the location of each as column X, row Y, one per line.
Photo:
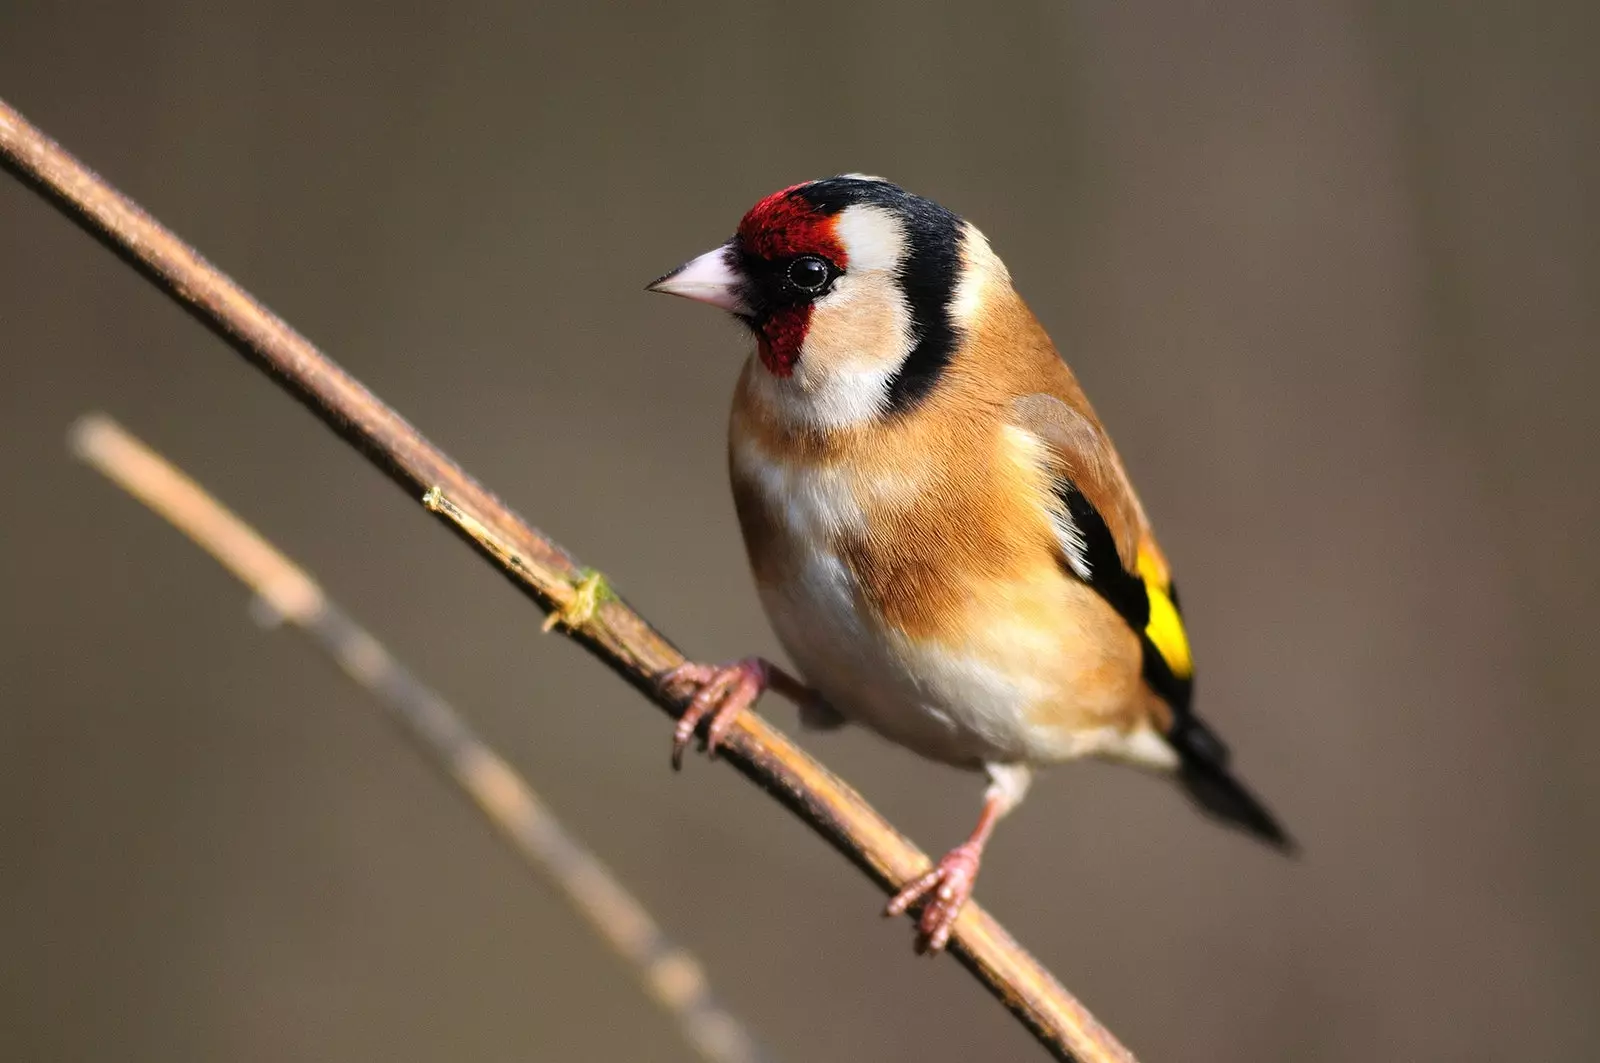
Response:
column 1329, row 270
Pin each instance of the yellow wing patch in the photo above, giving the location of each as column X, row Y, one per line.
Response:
column 1165, row 627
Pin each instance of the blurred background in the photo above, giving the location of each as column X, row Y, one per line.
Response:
column 1329, row 271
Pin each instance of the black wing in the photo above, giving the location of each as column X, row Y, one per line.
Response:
column 1202, row 756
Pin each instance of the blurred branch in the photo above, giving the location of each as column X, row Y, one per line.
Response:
column 670, row 974
column 604, row 624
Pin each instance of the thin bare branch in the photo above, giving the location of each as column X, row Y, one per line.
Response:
column 669, row 973
column 612, row 631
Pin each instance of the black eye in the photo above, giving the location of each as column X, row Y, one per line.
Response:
column 810, row 273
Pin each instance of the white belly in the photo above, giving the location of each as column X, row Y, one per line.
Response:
column 958, row 708
column 934, row 703
column 940, row 704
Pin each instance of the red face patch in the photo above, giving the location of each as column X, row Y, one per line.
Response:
column 781, row 227
column 781, row 337
column 785, row 224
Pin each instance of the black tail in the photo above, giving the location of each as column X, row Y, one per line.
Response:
column 1203, row 771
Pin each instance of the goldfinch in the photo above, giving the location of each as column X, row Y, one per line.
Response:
column 942, row 534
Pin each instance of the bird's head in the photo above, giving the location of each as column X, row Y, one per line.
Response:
column 857, row 292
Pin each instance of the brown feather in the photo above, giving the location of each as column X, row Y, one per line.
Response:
column 967, row 551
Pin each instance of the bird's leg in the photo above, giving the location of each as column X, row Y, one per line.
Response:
column 951, row 879
column 950, row 883
column 722, row 691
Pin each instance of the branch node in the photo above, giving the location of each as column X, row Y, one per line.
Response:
column 584, row 605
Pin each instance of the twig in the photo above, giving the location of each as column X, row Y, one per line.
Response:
column 612, row 631
column 670, row 973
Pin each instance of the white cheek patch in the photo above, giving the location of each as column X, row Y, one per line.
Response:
column 859, row 334
column 858, row 337
column 838, row 388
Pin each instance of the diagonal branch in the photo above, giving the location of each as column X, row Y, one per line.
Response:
column 603, row 624
column 670, row 974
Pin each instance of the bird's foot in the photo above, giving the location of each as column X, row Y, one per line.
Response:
column 946, row 888
column 722, row 692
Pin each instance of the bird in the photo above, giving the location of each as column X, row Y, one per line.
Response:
column 942, row 535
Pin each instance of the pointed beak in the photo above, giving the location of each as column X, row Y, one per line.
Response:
column 712, row 278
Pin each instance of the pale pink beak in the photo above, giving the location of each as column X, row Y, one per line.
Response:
column 712, row 278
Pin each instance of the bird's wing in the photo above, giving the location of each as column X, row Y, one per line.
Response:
column 1104, row 537
column 1106, row 541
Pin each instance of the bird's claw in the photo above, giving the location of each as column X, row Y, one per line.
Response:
column 946, row 889
column 722, row 692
